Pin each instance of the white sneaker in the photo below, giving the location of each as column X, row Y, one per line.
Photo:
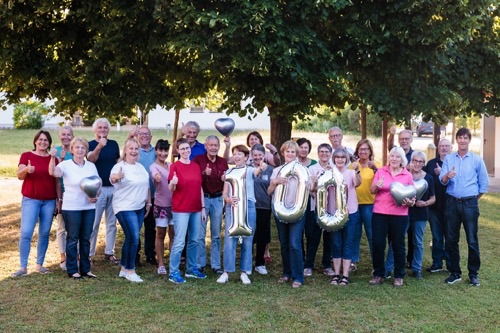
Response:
column 249, row 273
column 63, row 265
column 261, row 270
column 122, row 274
column 244, row 278
column 224, row 278
column 133, row 277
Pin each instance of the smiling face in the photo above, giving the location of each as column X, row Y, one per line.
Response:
column 161, row 155
column 463, row 142
column 79, row 150
column 131, row 152
column 340, row 161
column 239, row 158
column 324, row 155
column 144, row 137
column 444, row 148
column 257, row 156
column 304, row 150
column 191, row 135
column 290, row 154
column 184, row 150
column 364, row 152
column 65, row 136
column 395, row 160
column 42, row 144
column 252, row 139
column 335, row 137
column 405, row 139
column 101, row 130
column 418, row 163
column 212, row 146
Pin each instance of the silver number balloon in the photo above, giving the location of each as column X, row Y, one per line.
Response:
column 236, row 177
column 296, row 211
column 337, row 220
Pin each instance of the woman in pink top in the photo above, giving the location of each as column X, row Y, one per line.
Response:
column 342, row 240
column 389, row 221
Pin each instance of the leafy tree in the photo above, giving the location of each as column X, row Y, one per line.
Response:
column 29, row 115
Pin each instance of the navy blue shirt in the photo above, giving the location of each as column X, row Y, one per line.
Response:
column 108, row 157
column 439, row 188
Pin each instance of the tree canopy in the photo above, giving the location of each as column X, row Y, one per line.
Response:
column 398, row 57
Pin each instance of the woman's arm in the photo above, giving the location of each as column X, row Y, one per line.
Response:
column 203, row 210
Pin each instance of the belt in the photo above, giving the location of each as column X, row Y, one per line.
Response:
column 464, row 198
column 212, row 195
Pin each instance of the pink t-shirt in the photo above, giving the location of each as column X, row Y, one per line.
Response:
column 384, row 203
column 163, row 196
column 352, row 197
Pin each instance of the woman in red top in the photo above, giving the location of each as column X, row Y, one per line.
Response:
column 188, row 210
column 39, row 192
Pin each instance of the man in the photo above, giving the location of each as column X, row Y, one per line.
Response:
column 466, row 178
column 147, row 156
column 212, row 169
column 437, row 219
column 190, row 131
column 335, row 136
column 104, row 154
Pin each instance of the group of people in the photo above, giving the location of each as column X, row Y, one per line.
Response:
column 139, row 186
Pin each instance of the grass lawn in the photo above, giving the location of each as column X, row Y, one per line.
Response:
column 54, row 303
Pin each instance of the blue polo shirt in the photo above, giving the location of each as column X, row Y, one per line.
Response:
column 146, row 158
column 471, row 176
column 197, row 149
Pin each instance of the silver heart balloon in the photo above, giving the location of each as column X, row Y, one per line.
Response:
column 225, row 126
column 91, row 185
column 421, row 186
column 399, row 192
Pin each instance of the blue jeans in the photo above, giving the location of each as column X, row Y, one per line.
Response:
column 31, row 211
column 418, row 228
column 313, row 234
column 393, row 228
column 213, row 208
column 342, row 240
column 230, row 243
column 183, row 222
column 365, row 219
column 437, row 222
column 79, row 226
column 467, row 213
column 131, row 222
column 102, row 205
column 290, row 237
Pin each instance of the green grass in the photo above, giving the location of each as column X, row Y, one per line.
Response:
column 53, row 303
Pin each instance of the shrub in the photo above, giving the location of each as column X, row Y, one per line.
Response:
column 29, row 115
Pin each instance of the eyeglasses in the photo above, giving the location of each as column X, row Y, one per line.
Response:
column 340, row 157
column 418, row 161
column 335, row 135
column 185, row 148
column 324, row 152
column 143, row 134
column 364, row 149
column 404, row 139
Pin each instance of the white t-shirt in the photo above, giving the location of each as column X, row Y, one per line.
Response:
column 73, row 197
column 131, row 193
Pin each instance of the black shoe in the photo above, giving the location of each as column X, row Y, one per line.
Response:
column 474, row 281
column 417, row 275
column 217, row 271
column 453, row 278
column 434, row 269
column 89, row 275
column 152, row 261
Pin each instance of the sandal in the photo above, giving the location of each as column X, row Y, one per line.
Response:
column 90, row 275
column 344, row 281
column 162, row 270
column 296, row 284
column 111, row 258
column 75, row 276
column 268, row 259
column 43, row 270
column 283, row 279
column 19, row 273
column 335, row 280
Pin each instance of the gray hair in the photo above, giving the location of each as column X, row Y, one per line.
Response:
column 407, row 131
column 421, row 154
column 194, row 124
column 258, row 147
column 400, row 151
column 212, row 137
column 335, row 128
column 66, row 127
column 101, row 120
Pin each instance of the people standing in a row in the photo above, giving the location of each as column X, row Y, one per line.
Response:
column 466, row 179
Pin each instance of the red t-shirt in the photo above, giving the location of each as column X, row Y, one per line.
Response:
column 38, row 185
column 187, row 195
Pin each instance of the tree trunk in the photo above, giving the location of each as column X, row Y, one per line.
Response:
column 436, row 137
column 384, row 140
column 174, row 135
column 363, row 122
column 281, row 129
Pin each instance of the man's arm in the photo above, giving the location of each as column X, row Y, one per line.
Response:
column 390, row 138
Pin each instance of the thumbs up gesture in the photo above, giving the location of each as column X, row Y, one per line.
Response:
column 53, row 152
column 451, row 174
column 157, row 177
column 120, row 174
column 437, row 169
column 208, row 171
column 29, row 167
column 174, row 180
column 103, row 141
column 380, row 182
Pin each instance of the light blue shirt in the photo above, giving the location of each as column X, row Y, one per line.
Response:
column 471, row 177
column 146, row 158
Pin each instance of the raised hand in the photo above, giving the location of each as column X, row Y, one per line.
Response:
column 227, row 141
column 271, row 148
column 380, row 182
column 208, row 171
column 451, row 174
column 437, row 169
column 121, row 174
column 103, row 141
column 29, row 167
column 157, row 177
column 53, row 152
column 174, row 180
column 393, row 129
column 263, row 166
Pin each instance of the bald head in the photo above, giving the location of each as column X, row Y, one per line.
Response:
column 444, row 148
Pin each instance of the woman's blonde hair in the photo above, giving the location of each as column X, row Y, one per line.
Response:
column 127, row 143
column 289, row 144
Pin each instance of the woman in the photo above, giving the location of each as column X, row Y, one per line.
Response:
column 342, row 240
column 367, row 167
column 40, row 191
column 311, row 229
column 188, row 210
column 162, row 208
column 289, row 234
column 63, row 154
column 240, row 157
column 131, row 194
column 389, row 221
column 78, row 210
column 420, row 213
column 262, row 235
column 304, row 150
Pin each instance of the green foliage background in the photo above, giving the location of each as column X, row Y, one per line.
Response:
column 29, row 115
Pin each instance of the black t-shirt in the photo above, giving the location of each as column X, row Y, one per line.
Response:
column 107, row 159
column 422, row 213
column 439, row 188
